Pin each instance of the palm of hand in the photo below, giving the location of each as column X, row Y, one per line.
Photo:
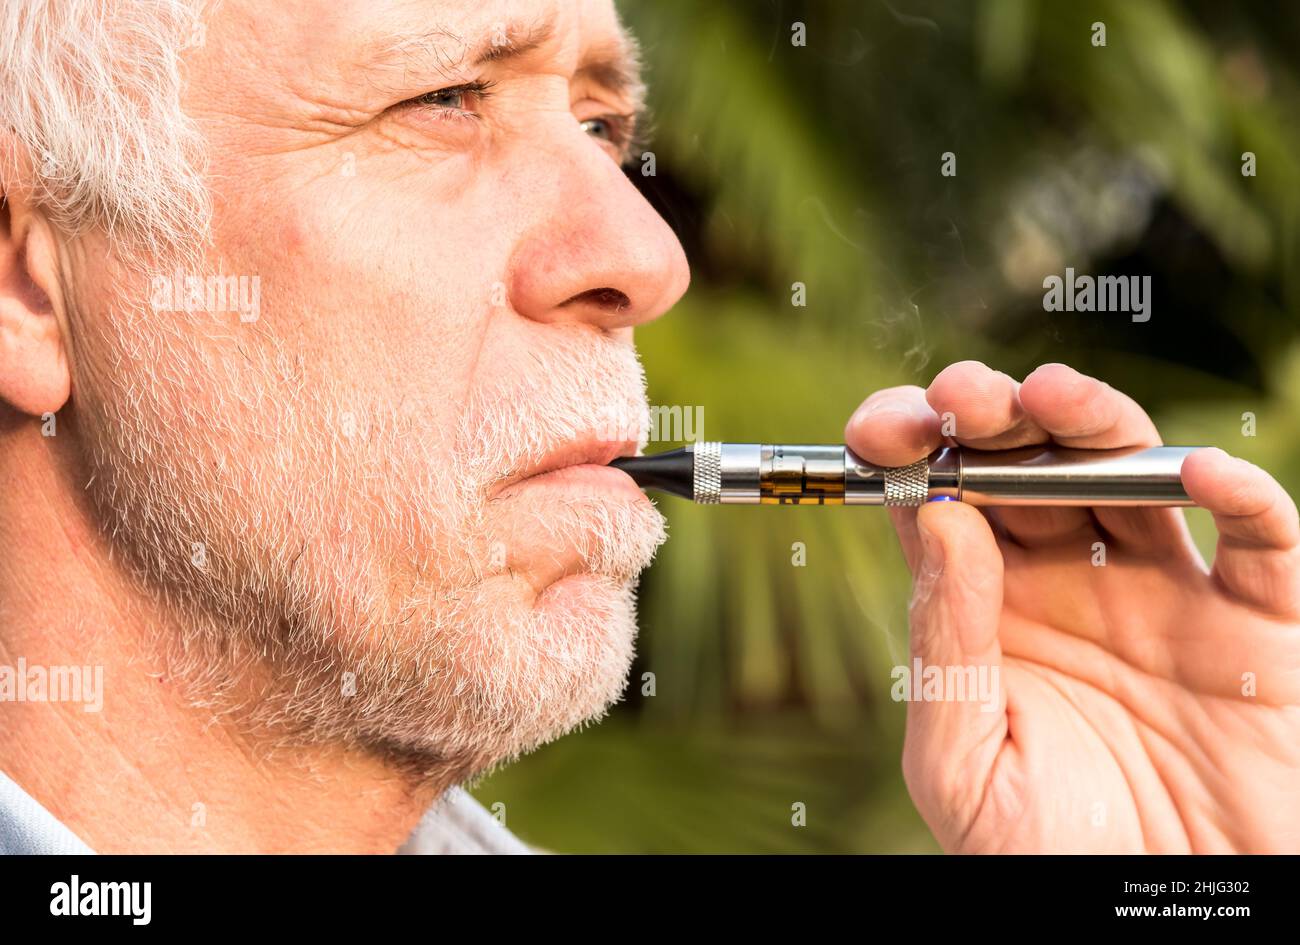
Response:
column 1142, row 703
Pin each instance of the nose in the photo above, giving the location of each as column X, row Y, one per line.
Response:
column 598, row 253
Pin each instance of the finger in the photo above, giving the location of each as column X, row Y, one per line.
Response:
column 980, row 407
column 957, row 726
column 1082, row 412
column 1258, row 555
column 893, row 427
column 897, row 426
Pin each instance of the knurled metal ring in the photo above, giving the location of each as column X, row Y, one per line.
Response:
column 707, row 482
column 905, row 486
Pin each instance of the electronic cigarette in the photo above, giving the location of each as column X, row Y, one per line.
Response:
column 782, row 474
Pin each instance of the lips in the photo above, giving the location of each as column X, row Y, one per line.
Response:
column 584, row 451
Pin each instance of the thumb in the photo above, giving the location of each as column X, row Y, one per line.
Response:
column 956, row 704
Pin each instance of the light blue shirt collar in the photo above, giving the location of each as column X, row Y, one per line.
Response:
column 456, row 824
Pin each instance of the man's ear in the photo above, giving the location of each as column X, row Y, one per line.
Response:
column 34, row 374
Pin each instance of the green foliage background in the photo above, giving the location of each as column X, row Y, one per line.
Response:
column 820, row 164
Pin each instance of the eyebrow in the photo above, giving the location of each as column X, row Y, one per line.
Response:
column 444, row 50
column 512, row 42
column 613, row 64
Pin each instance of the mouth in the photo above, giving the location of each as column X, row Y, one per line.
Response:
column 583, row 461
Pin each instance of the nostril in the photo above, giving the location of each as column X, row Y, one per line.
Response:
column 605, row 297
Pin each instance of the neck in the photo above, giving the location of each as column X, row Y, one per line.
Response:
column 147, row 770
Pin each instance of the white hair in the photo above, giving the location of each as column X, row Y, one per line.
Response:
column 91, row 119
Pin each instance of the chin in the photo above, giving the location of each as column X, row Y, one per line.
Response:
column 513, row 670
column 564, row 657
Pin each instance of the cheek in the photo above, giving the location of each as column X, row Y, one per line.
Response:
column 374, row 308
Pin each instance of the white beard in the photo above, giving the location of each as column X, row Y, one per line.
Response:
column 353, row 587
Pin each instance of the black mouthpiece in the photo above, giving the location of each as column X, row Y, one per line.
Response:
column 672, row 472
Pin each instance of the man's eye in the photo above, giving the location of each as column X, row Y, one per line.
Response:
column 600, row 128
column 444, row 98
column 618, row 130
column 454, row 98
column 621, row 133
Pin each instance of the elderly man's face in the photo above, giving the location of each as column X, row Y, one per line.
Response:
column 449, row 260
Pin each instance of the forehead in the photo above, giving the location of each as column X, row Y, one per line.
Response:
column 363, row 34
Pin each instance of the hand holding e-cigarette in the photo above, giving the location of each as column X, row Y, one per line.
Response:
column 1164, row 682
